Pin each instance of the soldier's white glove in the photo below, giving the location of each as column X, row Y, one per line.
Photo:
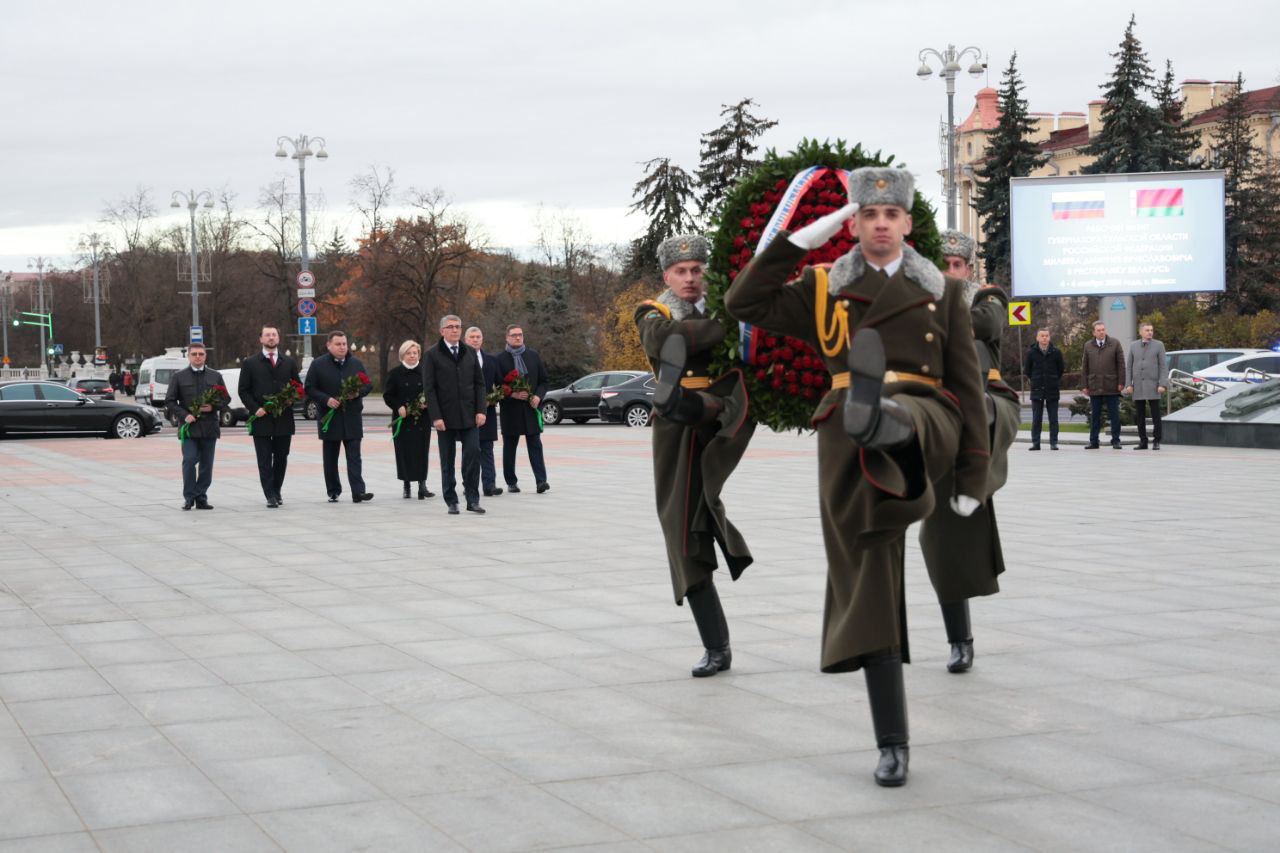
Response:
column 964, row 506
column 821, row 230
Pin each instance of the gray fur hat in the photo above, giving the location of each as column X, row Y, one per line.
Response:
column 958, row 244
column 882, row 185
column 682, row 247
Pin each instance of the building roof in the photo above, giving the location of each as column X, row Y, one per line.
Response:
column 1068, row 138
column 1257, row 101
column 986, row 111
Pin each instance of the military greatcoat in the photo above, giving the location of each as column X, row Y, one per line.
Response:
column 963, row 554
column 692, row 464
column 869, row 497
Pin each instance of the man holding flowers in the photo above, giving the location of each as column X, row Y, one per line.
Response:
column 269, row 386
column 195, row 395
column 338, row 384
column 523, row 373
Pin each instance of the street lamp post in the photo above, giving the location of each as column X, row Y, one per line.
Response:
column 39, row 264
column 950, row 61
column 301, row 151
column 95, row 246
column 192, row 200
column 5, row 291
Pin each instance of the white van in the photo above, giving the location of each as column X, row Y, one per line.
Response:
column 154, row 374
column 235, row 412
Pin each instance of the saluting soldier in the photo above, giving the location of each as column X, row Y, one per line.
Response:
column 701, row 429
column 963, row 553
column 905, row 409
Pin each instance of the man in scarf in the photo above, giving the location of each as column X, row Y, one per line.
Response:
column 906, row 408
column 519, row 414
column 701, row 429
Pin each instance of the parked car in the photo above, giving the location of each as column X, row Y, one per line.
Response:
column 1233, row 370
column 235, row 412
column 98, row 389
column 52, row 407
column 154, row 374
column 580, row 400
column 1191, row 360
column 630, row 403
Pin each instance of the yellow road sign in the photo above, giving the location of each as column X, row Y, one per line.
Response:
column 1019, row 313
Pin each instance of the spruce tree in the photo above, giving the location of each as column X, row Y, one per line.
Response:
column 1176, row 142
column 1010, row 154
column 726, row 154
column 1130, row 125
column 665, row 194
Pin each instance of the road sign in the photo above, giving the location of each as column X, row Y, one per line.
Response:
column 1118, row 305
column 306, row 278
column 306, row 307
column 5, row 360
column 197, row 335
column 306, row 325
column 57, row 349
column 1019, row 313
column 306, row 292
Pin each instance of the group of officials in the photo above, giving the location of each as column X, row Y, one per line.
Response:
column 916, row 427
column 445, row 390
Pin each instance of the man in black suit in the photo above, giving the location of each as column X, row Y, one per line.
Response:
column 520, row 410
column 198, row 447
column 488, row 432
column 261, row 376
column 454, row 385
column 346, row 427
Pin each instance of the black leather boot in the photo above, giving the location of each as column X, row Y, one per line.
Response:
column 704, row 601
column 406, row 489
column 423, row 491
column 955, row 617
column 871, row 420
column 888, row 700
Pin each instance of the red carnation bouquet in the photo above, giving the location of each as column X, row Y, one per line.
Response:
column 217, row 397
column 413, row 411
column 350, row 390
column 280, row 402
column 512, row 383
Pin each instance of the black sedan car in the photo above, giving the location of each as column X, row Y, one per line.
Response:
column 630, row 403
column 580, row 401
column 98, row 389
column 28, row 407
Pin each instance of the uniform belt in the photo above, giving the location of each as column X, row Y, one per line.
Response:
column 841, row 379
column 993, row 375
column 695, row 382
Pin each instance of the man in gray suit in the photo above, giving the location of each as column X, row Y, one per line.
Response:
column 1147, row 376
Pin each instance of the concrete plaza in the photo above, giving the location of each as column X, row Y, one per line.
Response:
column 386, row 677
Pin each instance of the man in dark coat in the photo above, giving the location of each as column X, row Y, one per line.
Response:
column 454, row 384
column 898, row 341
column 261, row 376
column 520, row 410
column 963, row 552
column 346, row 428
column 1043, row 366
column 701, row 429
column 186, row 386
column 1102, row 371
column 488, row 432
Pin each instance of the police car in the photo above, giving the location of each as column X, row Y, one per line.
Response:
column 1242, row 368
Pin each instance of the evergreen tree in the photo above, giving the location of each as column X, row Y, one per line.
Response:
column 1011, row 154
column 665, row 194
column 1176, row 142
column 1130, row 125
column 1250, row 184
column 562, row 333
column 726, row 154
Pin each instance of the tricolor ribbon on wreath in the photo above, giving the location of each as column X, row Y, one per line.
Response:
column 782, row 216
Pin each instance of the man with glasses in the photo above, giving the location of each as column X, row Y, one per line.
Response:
column 520, row 411
column 454, row 385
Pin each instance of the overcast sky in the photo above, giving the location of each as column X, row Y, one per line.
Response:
column 511, row 105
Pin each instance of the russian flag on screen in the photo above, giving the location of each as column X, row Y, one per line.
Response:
column 1162, row 202
column 1090, row 204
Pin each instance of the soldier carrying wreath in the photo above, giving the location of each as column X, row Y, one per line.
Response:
column 898, row 342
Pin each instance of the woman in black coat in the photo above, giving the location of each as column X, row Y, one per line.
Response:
column 413, row 443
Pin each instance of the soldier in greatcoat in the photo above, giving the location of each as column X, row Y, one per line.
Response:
column 963, row 553
column 701, row 429
column 905, row 409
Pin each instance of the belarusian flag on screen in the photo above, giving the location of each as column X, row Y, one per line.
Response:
column 1161, row 202
column 1089, row 204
